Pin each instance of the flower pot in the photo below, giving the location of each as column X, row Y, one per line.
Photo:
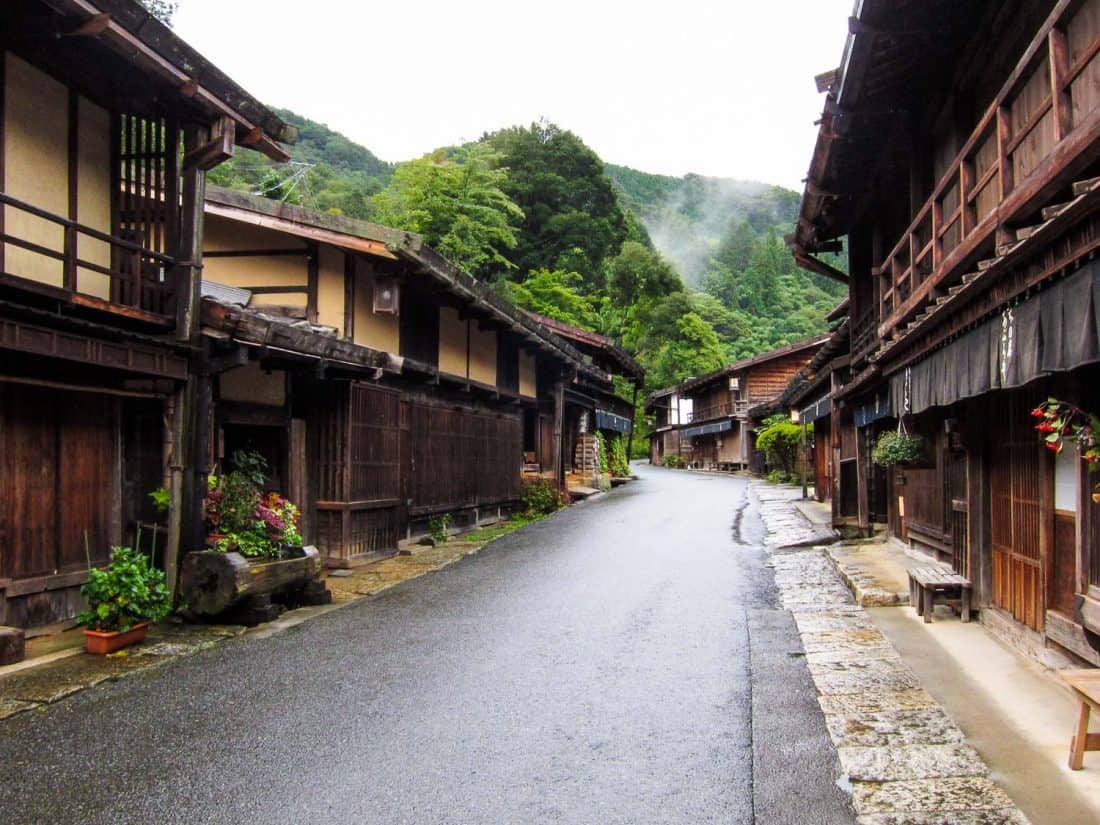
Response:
column 101, row 641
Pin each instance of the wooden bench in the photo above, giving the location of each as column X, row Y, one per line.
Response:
column 1085, row 685
column 926, row 583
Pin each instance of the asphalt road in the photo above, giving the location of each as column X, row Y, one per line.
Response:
column 622, row 661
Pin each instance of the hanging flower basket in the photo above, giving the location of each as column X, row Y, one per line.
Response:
column 899, row 448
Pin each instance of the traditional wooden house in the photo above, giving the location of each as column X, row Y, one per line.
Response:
column 668, row 410
column 108, row 123
column 592, row 405
column 719, row 428
column 957, row 155
column 383, row 385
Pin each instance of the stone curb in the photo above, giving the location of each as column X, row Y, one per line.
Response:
column 904, row 758
column 862, row 585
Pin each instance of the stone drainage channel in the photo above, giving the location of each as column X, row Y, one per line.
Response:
column 903, row 758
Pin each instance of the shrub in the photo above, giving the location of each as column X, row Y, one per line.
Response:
column 899, row 448
column 541, row 497
column 618, row 460
column 674, row 461
column 604, row 453
column 781, row 443
column 437, row 527
column 777, row 477
column 241, row 518
column 128, row 591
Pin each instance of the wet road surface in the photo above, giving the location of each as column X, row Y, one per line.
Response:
column 622, row 661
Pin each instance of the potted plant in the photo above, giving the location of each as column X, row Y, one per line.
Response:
column 123, row 598
column 899, row 447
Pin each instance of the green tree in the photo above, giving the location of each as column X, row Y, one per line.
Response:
column 161, row 9
column 572, row 219
column 637, row 272
column 457, row 203
column 552, row 293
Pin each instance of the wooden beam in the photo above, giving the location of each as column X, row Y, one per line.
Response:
column 809, row 262
column 257, row 253
column 217, row 149
column 92, row 27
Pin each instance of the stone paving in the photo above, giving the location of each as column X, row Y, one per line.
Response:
column 904, row 757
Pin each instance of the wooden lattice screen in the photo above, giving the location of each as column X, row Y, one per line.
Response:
column 147, row 210
column 1015, row 479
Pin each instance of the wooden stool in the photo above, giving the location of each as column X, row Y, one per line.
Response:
column 1085, row 685
column 926, row 582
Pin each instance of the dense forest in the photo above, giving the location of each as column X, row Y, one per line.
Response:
column 685, row 273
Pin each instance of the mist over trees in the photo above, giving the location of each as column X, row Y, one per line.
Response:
column 687, row 274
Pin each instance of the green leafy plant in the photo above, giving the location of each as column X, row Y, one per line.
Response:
column 241, row 518
column 674, row 461
column 899, row 448
column 128, row 591
column 437, row 527
column 162, row 499
column 605, row 455
column 618, row 460
column 777, row 477
column 541, row 497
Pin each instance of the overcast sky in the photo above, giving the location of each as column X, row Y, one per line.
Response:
column 717, row 87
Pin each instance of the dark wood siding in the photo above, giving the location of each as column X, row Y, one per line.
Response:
column 58, row 480
column 462, row 457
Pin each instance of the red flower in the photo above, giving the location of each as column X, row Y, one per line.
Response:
column 1037, row 412
column 1053, row 446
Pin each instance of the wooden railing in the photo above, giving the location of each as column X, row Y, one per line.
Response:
column 138, row 278
column 1042, row 126
column 724, row 408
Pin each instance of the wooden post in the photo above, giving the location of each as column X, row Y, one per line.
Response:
column 191, row 438
column 559, row 426
column 805, row 492
column 633, row 418
column 1059, row 67
column 863, row 479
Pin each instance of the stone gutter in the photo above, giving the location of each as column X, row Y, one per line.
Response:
column 904, row 759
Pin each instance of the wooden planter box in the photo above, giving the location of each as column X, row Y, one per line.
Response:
column 230, row 586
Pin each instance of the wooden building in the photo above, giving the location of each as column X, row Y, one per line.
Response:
column 667, row 409
column 108, row 123
column 958, row 159
column 383, row 385
column 593, row 406
column 718, row 431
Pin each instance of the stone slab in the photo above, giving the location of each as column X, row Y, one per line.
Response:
column 857, row 639
column 911, row 762
column 893, row 728
column 940, row 796
column 870, row 675
column 10, row 707
column 859, row 704
column 1005, row 816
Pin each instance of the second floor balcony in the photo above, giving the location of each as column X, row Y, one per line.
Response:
column 724, row 409
column 1040, row 132
column 57, row 258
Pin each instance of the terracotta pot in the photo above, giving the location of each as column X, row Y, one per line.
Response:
column 101, row 642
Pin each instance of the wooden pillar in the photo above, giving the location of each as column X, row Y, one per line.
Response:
column 863, row 481
column 979, row 550
column 633, row 418
column 559, row 432
column 805, row 457
column 191, row 438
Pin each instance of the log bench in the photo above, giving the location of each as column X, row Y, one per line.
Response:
column 929, row 585
column 1085, row 685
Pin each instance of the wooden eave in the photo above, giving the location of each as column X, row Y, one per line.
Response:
column 251, row 328
column 895, row 51
column 628, row 366
column 139, row 38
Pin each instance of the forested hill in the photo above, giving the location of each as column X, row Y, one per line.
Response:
column 328, row 171
column 686, row 273
column 687, row 217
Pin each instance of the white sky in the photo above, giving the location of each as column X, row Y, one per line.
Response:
column 722, row 88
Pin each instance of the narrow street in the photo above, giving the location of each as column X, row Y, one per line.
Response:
column 622, row 661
